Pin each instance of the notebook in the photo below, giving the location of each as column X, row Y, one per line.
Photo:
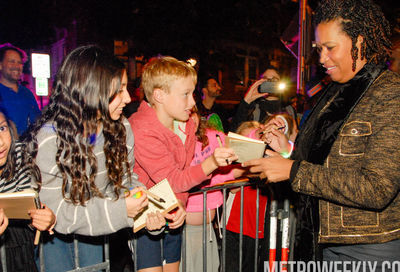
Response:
column 163, row 190
column 245, row 148
column 17, row 204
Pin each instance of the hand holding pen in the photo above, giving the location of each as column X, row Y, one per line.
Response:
column 42, row 219
column 152, row 195
column 134, row 205
column 278, row 141
column 220, row 145
column 223, row 154
column 273, row 135
column 275, row 124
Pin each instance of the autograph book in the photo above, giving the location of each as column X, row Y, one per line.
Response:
column 164, row 191
column 17, row 204
column 245, row 148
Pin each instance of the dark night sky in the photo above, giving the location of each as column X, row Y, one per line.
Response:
column 157, row 25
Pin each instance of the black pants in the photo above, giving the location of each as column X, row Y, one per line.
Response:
column 248, row 252
column 375, row 257
column 18, row 239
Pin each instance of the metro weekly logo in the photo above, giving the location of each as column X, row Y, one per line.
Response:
column 331, row 266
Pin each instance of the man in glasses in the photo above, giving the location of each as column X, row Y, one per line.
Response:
column 258, row 105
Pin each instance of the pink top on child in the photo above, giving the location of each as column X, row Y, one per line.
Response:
column 214, row 198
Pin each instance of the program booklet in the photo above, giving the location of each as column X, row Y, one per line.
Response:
column 245, row 148
column 17, row 204
column 163, row 190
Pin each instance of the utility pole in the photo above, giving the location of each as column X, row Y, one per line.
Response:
column 301, row 53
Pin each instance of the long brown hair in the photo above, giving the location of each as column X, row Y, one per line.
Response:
column 201, row 132
column 78, row 105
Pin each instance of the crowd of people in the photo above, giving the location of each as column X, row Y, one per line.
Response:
column 87, row 160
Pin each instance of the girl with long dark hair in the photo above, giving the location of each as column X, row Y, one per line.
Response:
column 83, row 148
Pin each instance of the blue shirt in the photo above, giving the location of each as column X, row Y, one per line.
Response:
column 20, row 107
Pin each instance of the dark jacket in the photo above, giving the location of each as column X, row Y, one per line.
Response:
column 359, row 181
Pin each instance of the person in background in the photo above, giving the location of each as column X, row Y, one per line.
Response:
column 17, row 101
column 16, row 172
column 137, row 96
column 206, row 143
column 256, row 106
column 296, row 108
column 253, row 130
column 346, row 154
column 83, row 147
column 211, row 90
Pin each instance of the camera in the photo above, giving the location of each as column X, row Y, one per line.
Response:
column 271, row 87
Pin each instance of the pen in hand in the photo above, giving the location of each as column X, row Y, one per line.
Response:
column 279, row 128
column 154, row 196
column 37, row 234
column 220, row 145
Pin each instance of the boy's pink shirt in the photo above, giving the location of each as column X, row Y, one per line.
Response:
column 160, row 153
column 214, row 199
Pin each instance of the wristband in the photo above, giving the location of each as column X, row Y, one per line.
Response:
column 287, row 155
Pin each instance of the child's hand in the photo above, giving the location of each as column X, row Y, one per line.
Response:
column 224, row 156
column 135, row 205
column 3, row 221
column 43, row 219
column 155, row 221
column 177, row 218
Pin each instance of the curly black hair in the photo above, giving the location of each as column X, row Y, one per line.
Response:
column 359, row 17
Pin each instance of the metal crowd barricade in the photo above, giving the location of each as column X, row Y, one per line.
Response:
column 284, row 215
column 275, row 215
column 286, row 229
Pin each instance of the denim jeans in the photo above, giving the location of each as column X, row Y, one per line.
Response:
column 149, row 248
column 59, row 253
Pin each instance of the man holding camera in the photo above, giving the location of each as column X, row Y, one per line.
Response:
column 260, row 101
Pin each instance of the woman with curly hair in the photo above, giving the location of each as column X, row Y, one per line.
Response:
column 83, row 148
column 346, row 154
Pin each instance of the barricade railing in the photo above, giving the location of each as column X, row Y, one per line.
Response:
column 274, row 215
